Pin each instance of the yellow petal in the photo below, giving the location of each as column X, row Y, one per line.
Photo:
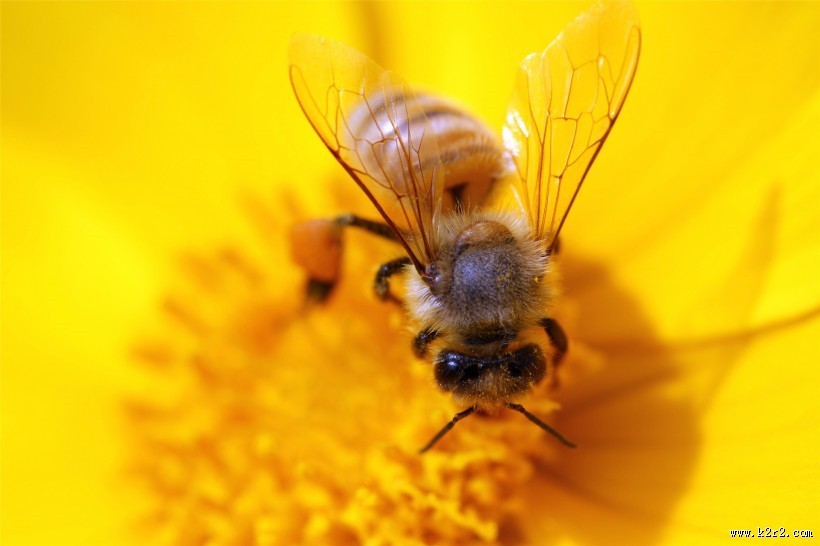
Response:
column 127, row 129
column 699, row 204
column 74, row 279
column 738, row 260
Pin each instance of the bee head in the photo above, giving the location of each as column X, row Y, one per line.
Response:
column 479, row 379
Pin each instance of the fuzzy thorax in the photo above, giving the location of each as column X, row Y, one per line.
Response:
column 491, row 280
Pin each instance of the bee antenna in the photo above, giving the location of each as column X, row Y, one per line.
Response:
column 541, row 424
column 456, row 418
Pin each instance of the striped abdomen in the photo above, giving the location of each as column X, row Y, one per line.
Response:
column 471, row 154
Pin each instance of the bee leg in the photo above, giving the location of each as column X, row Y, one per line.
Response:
column 422, row 340
column 318, row 291
column 559, row 342
column 316, row 246
column 373, row 227
column 381, row 284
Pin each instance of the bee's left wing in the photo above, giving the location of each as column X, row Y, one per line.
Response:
column 564, row 104
column 375, row 126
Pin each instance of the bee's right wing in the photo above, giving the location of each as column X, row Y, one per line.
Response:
column 565, row 102
column 373, row 124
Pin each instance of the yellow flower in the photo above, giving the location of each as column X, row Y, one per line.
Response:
column 689, row 289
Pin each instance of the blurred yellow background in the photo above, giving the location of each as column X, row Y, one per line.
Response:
column 130, row 130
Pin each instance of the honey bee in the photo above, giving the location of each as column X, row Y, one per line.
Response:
column 477, row 277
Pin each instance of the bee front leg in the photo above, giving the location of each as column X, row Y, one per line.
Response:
column 558, row 340
column 381, row 285
column 316, row 246
column 422, row 340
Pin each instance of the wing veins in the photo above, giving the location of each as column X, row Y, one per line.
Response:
column 338, row 89
column 574, row 73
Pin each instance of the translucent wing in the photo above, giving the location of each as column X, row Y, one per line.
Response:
column 563, row 107
column 374, row 125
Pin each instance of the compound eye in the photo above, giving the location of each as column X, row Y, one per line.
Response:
column 515, row 368
column 528, row 363
column 448, row 370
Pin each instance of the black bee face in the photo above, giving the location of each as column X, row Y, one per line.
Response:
column 500, row 378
